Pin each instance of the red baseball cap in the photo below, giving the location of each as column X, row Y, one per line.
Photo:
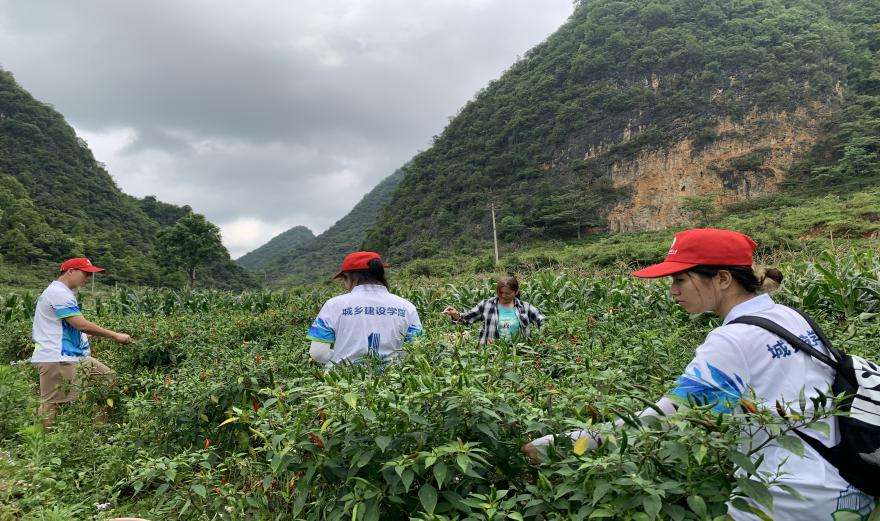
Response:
column 703, row 246
column 80, row 263
column 359, row 260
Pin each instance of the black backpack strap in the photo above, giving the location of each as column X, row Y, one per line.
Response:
column 817, row 445
column 800, row 345
column 821, row 334
column 789, row 337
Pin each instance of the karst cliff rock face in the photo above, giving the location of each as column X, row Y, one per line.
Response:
column 641, row 116
column 747, row 159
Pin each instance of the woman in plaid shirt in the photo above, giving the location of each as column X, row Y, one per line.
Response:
column 504, row 316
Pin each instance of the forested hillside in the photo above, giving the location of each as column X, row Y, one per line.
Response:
column 635, row 115
column 280, row 245
column 317, row 260
column 56, row 202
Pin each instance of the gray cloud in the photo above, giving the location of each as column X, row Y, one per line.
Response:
column 263, row 115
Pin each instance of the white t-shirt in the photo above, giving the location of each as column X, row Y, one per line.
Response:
column 56, row 340
column 367, row 320
column 736, row 357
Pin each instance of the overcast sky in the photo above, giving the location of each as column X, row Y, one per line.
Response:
column 263, row 115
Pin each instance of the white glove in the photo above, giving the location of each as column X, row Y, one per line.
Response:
column 320, row 352
column 541, row 443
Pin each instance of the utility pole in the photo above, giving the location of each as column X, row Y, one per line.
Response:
column 494, row 232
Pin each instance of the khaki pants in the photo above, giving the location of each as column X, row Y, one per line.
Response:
column 60, row 382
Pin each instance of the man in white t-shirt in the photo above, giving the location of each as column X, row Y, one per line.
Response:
column 62, row 349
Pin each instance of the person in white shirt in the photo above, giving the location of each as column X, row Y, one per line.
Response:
column 367, row 321
column 711, row 271
column 62, row 352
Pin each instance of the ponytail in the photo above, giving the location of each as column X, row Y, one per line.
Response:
column 377, row 272
column 769, row 278
column 374, row 274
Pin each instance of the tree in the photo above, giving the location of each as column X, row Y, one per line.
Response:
column 189, row 244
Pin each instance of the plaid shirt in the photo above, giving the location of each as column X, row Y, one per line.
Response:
column 487, row 311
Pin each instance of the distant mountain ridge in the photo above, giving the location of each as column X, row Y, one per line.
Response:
column 57, row 201
column 279, row 245
column 317, row 259
column 634, row 115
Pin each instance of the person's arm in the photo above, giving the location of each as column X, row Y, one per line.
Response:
column 320, row 352
column 414, row 327
column 472, row 315
column 717, row 375
column 80, row 323
column 537, row 448
column 535, row 315
column 322, row 331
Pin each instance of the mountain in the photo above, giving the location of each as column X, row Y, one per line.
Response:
column 634, row 115
column 318, row 259
column 57, row 201
column 280, row 245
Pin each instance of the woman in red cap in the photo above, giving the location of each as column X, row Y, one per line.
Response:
column 711, row 271
column 367, row 321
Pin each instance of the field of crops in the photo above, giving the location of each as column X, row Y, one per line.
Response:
column 218, row 414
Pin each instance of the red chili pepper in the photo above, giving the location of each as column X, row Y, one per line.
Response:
column 314, row 438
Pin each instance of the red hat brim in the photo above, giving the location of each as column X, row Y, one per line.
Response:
column 663, row 269
column 90, row 269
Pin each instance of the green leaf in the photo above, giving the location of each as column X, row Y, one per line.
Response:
column 601, row 512
column 351, row 399
column 793, row 491
column 741, row 504
column 199, row 490
column 697, row 505
column 463, row 462
column 652, row 505
column 364, row 459
column 407, row 477
column 743, row 461
column 439, row 473
column 822, row 427
column 428, row 497
column 675, row 512
column 757, row 491
column 383, row 442
column 700, row 452
column 792, row 444
column 602, row 488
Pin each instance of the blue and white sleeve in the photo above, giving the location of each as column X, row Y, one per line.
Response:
column 718, row 375
column 414, row 326
column 63, row 305
column 323, row 329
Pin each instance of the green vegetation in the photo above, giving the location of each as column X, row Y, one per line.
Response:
column 664, row 70
column 57, row 202
column 189, row 245
column 282, row 245
column 784, row 227
column 317, row 260
column 218, row 414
